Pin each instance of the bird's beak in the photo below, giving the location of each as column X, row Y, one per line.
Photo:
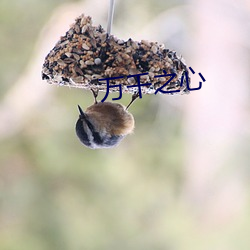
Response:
column 82, row 115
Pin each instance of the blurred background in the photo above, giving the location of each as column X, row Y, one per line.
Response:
column 180, row 182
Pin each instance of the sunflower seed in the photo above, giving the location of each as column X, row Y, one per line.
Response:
column 88, row 62
column 85, row 46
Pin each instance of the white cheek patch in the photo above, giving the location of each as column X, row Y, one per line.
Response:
column 89, row 133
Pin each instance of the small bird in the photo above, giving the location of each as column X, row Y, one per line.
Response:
column 104, row 124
